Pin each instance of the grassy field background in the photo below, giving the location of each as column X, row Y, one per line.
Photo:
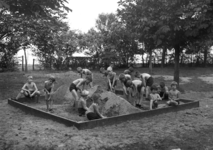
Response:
column 187, row 130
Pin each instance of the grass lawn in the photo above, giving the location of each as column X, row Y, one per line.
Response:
column 190, row 129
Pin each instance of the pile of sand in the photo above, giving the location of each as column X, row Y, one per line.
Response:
column 115, row 105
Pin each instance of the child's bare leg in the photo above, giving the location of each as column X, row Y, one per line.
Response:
column 147, row 91
column 47, row 102
column 19, row 94
column 74, row 93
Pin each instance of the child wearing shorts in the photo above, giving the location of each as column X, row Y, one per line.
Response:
column 49, row 89
column 147, row 80
column 82, row 106
column 174, row 95
column 136, row 87
column 154, row 97
column 87, row 73
column 75, row 87
column 111, row 81
column 29, row 90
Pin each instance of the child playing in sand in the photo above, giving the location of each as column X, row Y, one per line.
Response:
column 111, row 81
column 48, row 89
column 147, row 80
column 154, row 97
column 123, row 79
column 29, row 90
column 136, row 90
column 86, row 72
column 93, row 111
column 174, row 95
column 82, row 107
column 164, row 91
column 75, row 86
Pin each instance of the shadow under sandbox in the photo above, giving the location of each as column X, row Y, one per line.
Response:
column 79, row 123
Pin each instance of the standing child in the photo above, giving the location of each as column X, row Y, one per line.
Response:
column 147, row 80
column 123, row 79
column 87, row 73
column 112, row 81
column 75, row 86
column 154, row 97
column 110, row 68
column 174, row 95
column 29, row 90
column 82, row 106
column 49, row 89
column 136, row 87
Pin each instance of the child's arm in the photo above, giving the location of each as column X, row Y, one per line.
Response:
column 150, row 104
column 124, row 88
column 24, row 88
column 110, row 85
column 36, row 89
column 85, row 106
column 97, row 111
column 159, row 98
column 79, row 84
column 178, row 96
column 143, row 81
column 114, row 78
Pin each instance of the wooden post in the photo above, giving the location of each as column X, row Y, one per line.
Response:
column 22, row 59
column 33, row 64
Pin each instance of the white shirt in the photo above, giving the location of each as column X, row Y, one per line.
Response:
column 109, row 68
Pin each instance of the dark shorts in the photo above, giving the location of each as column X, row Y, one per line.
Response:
column 93, row 116
column 154, row 105
column 139, row 88
column 150, row 81
column 73, row 87
column 81, row 111
column 166, row 96
column 27, row 94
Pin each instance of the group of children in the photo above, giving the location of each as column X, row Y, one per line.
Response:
column 135, row 88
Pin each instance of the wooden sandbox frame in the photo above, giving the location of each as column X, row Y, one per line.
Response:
column 188, row 104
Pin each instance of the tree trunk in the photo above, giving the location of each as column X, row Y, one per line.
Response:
column 25, row 55
column 177, row 58
column 205, row 56
column 163, row 57
column 142, row 61
column 150, row 61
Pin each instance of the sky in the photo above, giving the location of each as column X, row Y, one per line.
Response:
column 83, row 16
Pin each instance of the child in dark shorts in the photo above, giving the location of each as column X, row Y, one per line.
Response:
column 82, row 107
column 29, row 90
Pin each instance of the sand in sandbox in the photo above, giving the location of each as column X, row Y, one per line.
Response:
column 115, row 105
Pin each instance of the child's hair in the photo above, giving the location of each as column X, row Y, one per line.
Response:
column 121, row 76
column 162, row 84
column 173, row 83
column 89, row 78
column 30, row 77
column 52, row 78
column 102, row 70
column 127, row 71
column 129, row 83
column 154, row 87
column 131, row 69
column 79, row 69
column 137, row 74
column 95, row 98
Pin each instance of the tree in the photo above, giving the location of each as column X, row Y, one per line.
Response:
column 174, row 23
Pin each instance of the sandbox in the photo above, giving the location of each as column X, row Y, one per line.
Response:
column 65, row 114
